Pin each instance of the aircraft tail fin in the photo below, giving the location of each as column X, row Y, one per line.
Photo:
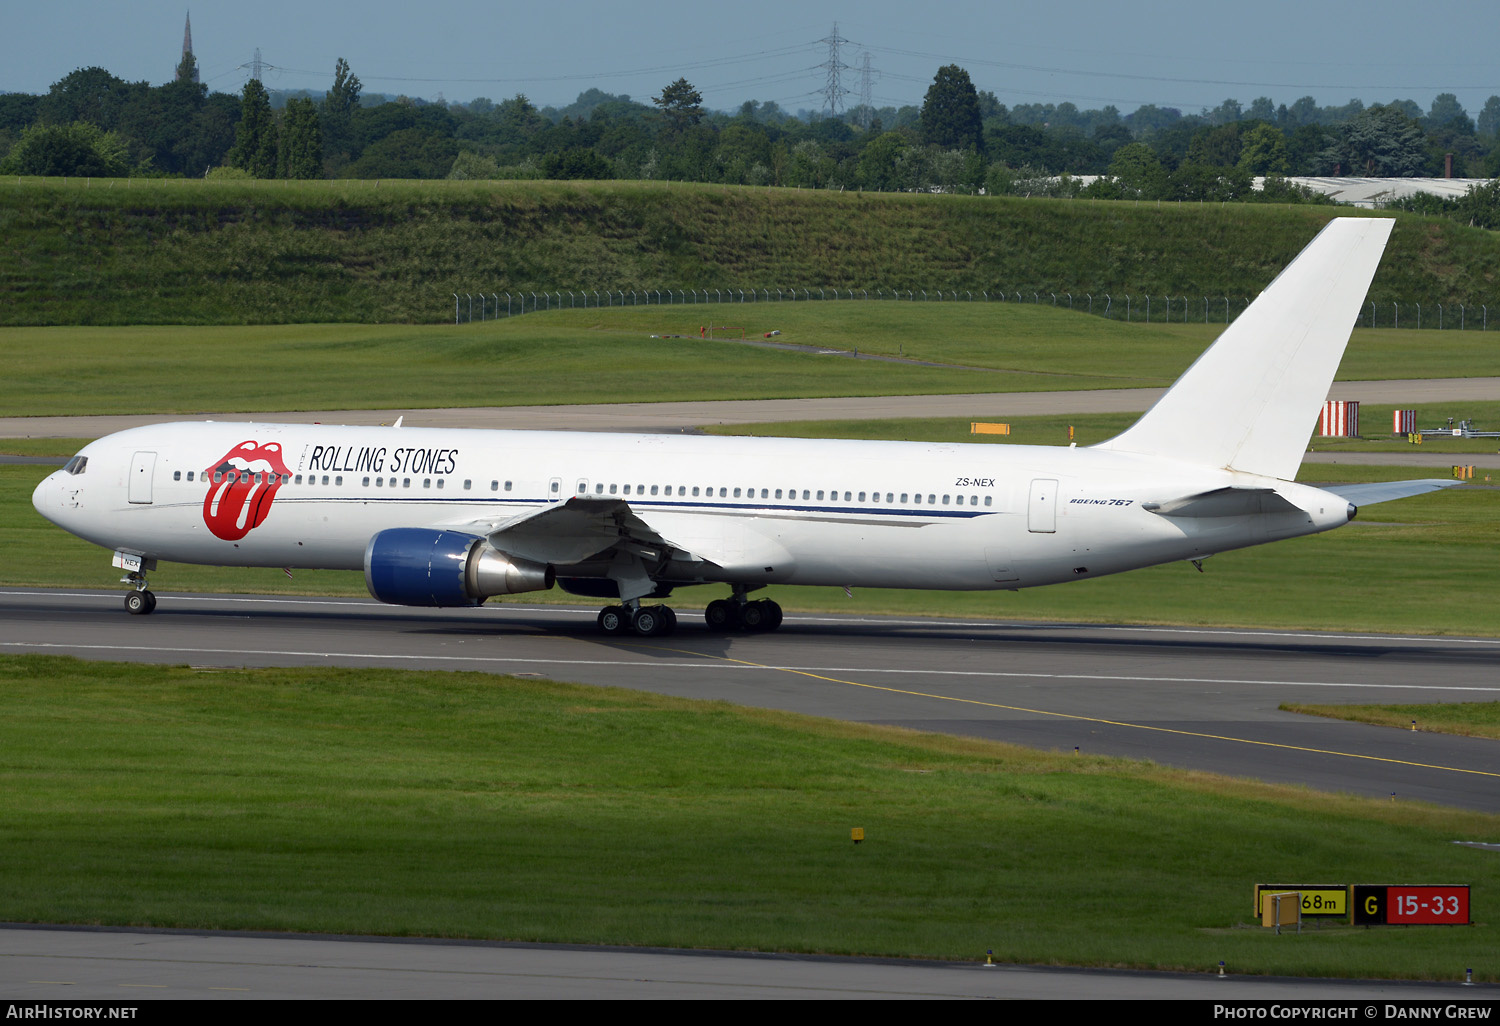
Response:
column 1249, row 402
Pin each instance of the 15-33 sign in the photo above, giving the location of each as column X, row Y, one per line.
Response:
column 1395, row 906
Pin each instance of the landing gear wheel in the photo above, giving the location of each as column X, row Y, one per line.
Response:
column 150, row 601
column 671, row 615
column 762, row 615
column 612, row 620
column 722, row 615
column 649, row 621
column 139, row 603
column 753, row 616
column 773, row 614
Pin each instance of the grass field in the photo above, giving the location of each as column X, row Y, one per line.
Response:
column 586, row 356
column 469, row 805
column 1473, row 719
column 162, row 252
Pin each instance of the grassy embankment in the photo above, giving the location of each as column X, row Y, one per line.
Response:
column 578, row 356
column 139, row 252
column 375, row 801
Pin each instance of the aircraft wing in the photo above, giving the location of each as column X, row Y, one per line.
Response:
column 569, row 532
column 1385, row 491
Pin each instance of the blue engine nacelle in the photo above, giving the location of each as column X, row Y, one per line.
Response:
column 423, row 566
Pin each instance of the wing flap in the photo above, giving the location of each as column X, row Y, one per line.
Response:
column 570, row 532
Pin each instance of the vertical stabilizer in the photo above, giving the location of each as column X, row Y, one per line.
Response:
column 1249, row 402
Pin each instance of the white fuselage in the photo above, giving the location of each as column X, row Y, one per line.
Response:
column 750, row 510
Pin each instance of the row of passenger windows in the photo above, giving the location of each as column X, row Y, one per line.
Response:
column 788, row 494
column 696, row 491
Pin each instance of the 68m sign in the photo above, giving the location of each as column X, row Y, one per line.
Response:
column 1401, row 906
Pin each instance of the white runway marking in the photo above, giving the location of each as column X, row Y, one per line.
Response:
column 716, row 665
column 1230, row 632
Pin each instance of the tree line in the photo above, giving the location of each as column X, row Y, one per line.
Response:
column 959, row 139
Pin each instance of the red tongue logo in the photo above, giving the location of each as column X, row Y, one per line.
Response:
column 241, row 489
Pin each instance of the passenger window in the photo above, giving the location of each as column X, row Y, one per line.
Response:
column 861, row 496
column 695, row 491
column 338, row 481
column 468, row 484
column 613, row 489
column 366, row 482
column 973, row 500
column 945, row 500
column 989, row 500
column 325, row 479
column 406, row 482
column 903, row 496
column 765, row 494
column 724, row 493
column 627, row 489
column 846, row 496
column 736, row 493
column 426, row 482
column 804, row 493
column 440, row 483
column 778, row 493
column 917, row 498
column 889, row 497
column 653, row 489
column 820, row 495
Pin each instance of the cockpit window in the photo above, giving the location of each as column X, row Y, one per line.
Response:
column 77, row 465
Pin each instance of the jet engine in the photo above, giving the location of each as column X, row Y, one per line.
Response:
column 414, row 566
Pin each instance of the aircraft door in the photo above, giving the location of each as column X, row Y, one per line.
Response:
column 554, row 490
column 1041, row 512
column 142, row 470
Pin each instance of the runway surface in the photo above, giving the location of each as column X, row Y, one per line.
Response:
column 152, row 965
column 1197, row 698
column 689, row 415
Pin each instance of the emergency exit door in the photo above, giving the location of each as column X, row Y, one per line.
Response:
column 1041, row 511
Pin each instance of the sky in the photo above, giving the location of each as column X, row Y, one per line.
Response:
column 1188, row 55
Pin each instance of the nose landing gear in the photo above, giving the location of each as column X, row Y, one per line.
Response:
column 138, row 601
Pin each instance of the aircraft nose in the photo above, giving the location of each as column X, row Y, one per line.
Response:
column 45, row 496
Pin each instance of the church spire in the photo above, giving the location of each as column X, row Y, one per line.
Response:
column 188, row 60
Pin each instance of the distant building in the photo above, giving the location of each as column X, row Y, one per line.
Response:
column 188, row 61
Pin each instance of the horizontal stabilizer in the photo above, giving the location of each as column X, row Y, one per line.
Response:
column 1224, row 502
column 1385, row 491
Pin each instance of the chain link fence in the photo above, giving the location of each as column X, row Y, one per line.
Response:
column 1121, row 306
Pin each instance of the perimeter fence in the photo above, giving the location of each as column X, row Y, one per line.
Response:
column 1122, row 306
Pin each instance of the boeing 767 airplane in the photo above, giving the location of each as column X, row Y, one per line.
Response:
column 453, row 517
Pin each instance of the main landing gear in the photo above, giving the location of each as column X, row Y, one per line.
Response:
column 647, row 621
column 729, row 614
